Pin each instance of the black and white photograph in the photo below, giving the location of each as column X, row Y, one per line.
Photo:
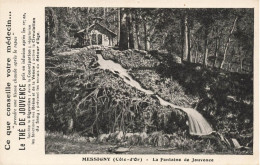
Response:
column 172, row 81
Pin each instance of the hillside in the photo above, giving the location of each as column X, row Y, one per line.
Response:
column 85, row 101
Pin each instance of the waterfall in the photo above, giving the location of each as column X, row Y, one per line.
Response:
column 198, row 125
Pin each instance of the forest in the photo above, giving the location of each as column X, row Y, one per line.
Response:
column 200, row 58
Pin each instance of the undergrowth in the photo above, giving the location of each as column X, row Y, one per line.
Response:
column 87, row 101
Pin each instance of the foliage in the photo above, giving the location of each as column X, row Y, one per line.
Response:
column 224, row 98
column 210, row 38
column 78, row 98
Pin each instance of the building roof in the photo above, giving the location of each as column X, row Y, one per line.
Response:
column 97, row 24
column 82, row 30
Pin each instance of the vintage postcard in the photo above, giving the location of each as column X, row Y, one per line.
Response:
column 129, row 82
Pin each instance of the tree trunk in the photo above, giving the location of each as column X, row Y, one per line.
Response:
column 137, row 36
column 196, row 56
column 70, row 125
column 241, row 64
column 241, row 59
column 118, row 25
column 205, row 60
column 216, row 52
column 189, row 46
column 138, row 45
column 134, row 31
column 182, row 39
column 123, row 42
column 186, row 39
column 48, row 30
column 196, row 53
column 148, row 42
column 229, row 67
column 104, row 12
column 227, row 44
column 130, row 29
column 216, row 49
column 145, row 35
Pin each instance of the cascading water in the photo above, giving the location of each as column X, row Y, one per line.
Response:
column 198, row 125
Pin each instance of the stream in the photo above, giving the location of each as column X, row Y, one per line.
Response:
column 198, row 125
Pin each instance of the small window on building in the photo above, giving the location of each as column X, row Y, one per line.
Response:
column 100, row 39
column 94, row 39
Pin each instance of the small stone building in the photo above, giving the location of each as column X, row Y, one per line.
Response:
column 96, row 34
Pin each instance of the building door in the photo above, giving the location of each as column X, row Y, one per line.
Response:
column 93, row 39
column 100, row 39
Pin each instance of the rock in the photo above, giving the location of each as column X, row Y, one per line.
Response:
column 198, row 68
column 130, row 50
column 94, row 47
column 137, row 134
column 122, row 150
column 143, row 52
column 160, row 141
column 113, row 135
column 137, row 50
column 128, row 135
column 147, row 56
column 166, row 141
column 170, row 136
column 103, row 137
column 119, row 136
column 177, row 59
column 143, row 136
column 154, row 139
column 236, row 143
column 92, row 139
column 134, row 140
column 128, row 53
column 172, row 143
column 156, row 133
column 124, row 143
column 163, row 52
column 81, row 139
